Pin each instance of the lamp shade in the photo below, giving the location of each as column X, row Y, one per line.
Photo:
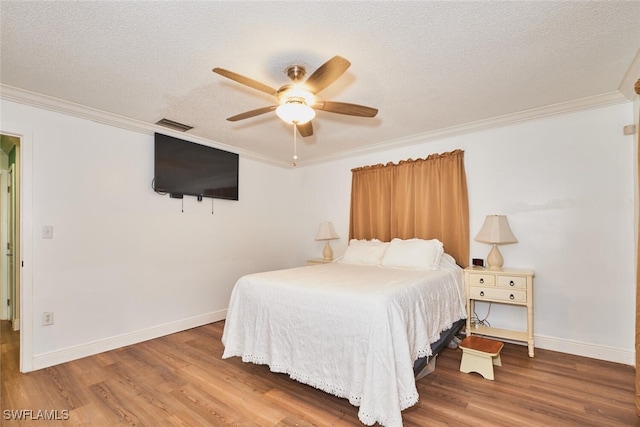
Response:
column 496, row 230
column 295, row 112
column 326, row 231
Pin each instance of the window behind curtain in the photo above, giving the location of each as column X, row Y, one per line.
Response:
column 423, row 198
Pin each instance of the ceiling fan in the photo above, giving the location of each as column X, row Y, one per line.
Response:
column 297, row 101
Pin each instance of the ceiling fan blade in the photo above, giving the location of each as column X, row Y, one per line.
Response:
column 345, row 108
column 305, row 129
column 327, row 74
column 245, row 81
column 252, row 113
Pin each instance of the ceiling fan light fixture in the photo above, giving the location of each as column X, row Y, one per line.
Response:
column 295, row 112
column 296, row 93
column 297, row 103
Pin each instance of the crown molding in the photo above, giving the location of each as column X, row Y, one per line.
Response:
column 57, row 105
column 630, row 79
column 596, row 101
column 81, row 111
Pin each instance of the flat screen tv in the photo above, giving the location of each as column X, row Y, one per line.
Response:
column 187, row 168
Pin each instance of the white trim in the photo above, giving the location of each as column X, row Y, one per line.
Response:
column 627, row 85
column 579, row 348
column 4, row 260
column 14, row 197
column 52, row 358
column 45, row 102
column 597, row 101
column 58, row 105
column 44, row 360
column 26, row 249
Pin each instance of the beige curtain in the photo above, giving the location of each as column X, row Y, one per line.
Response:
column 424, row 198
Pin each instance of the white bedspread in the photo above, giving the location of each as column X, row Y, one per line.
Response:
column 352, row 331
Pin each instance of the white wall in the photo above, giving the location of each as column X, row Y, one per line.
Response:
column 125, row 263
column 566, row 183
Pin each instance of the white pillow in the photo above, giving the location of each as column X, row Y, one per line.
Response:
column 364, row 252
column 416, row 254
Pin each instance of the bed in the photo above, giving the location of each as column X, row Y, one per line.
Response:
column 357, row 328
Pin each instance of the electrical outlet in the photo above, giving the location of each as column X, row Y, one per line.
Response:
column 47, row 318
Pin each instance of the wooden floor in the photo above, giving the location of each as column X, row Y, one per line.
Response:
column 181, row 380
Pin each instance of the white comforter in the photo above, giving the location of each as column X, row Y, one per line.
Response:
column 352, row 331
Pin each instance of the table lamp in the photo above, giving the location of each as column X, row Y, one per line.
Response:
column 495, row 231
column 326, row 232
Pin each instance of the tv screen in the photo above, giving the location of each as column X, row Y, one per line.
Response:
column 187, row 168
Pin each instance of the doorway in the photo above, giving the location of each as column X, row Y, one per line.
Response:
column 15, row 236
column 9, row 231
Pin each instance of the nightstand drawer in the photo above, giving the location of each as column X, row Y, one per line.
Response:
column 512, row 282
column 482, row 279
column 498, row 294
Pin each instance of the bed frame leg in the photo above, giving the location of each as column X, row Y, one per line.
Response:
column 429, row 368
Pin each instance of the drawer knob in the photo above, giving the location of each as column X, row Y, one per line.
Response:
column 511, row 283
column 512, row 297
column 481, row 280
column 481, row 293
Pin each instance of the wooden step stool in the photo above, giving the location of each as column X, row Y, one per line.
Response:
column 479, row 355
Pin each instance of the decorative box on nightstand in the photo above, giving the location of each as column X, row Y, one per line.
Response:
column 317, row 261
column 508, row 286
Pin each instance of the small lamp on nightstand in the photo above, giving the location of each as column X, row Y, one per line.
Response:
column 326, row 232
column 495, row 231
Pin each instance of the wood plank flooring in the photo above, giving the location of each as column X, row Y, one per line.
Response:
column 181, row 380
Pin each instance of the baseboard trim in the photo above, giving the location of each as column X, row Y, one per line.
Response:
column 68, row 354
column 578, row 348
column 44, row 360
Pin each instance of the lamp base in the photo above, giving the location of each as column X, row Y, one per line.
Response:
column 327, row 252
column 495, row 260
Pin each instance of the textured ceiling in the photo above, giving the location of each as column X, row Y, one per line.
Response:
column 427, row 66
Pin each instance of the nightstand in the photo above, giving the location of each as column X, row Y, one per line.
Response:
column 317, row 261
column 507, row 286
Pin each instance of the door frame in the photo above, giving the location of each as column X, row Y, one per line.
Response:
column 24, row 227
column 5, row 309
column 12, row 243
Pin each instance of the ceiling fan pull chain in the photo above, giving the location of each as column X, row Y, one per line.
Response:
column 295, row 143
